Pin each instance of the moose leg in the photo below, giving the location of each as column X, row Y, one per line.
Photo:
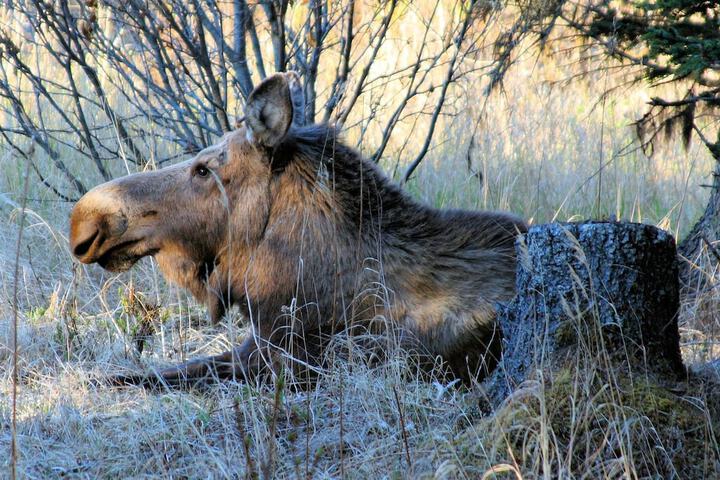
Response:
column 254, row 359
column 196, row 372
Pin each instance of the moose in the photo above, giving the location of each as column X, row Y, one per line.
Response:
column 307, row 238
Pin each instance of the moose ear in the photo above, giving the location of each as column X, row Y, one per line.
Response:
column 269, row 110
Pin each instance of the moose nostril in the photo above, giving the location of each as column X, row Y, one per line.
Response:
column 83, row 247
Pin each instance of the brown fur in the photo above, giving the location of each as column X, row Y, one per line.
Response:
column 308, row 238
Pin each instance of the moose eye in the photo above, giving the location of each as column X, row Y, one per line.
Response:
column 202, row 171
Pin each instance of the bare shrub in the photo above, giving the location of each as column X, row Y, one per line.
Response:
column 147, row 81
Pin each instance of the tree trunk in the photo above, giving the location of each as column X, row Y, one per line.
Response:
column 700, row 249
column 603, row 293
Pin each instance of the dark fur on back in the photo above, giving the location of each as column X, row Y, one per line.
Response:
column 368, row 197
column 443, row 269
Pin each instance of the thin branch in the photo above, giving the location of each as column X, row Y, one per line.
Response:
column 366, row 70
column 441, row 101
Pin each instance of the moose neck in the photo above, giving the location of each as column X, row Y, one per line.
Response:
column 342, row 218
column 331, row 215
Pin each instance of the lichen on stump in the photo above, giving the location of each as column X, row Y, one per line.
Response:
column 605, row 290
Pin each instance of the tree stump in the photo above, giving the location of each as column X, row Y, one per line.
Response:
column 605, row 290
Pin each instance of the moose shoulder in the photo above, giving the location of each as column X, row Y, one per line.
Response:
column 307, row 237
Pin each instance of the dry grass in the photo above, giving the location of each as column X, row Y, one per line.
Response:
column 539, row 149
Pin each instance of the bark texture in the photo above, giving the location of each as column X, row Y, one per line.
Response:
column 700, row 249
column 605, row 290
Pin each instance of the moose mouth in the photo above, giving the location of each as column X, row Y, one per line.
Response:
column 123, row 256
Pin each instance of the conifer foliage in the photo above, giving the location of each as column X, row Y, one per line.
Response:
column 660, row 42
